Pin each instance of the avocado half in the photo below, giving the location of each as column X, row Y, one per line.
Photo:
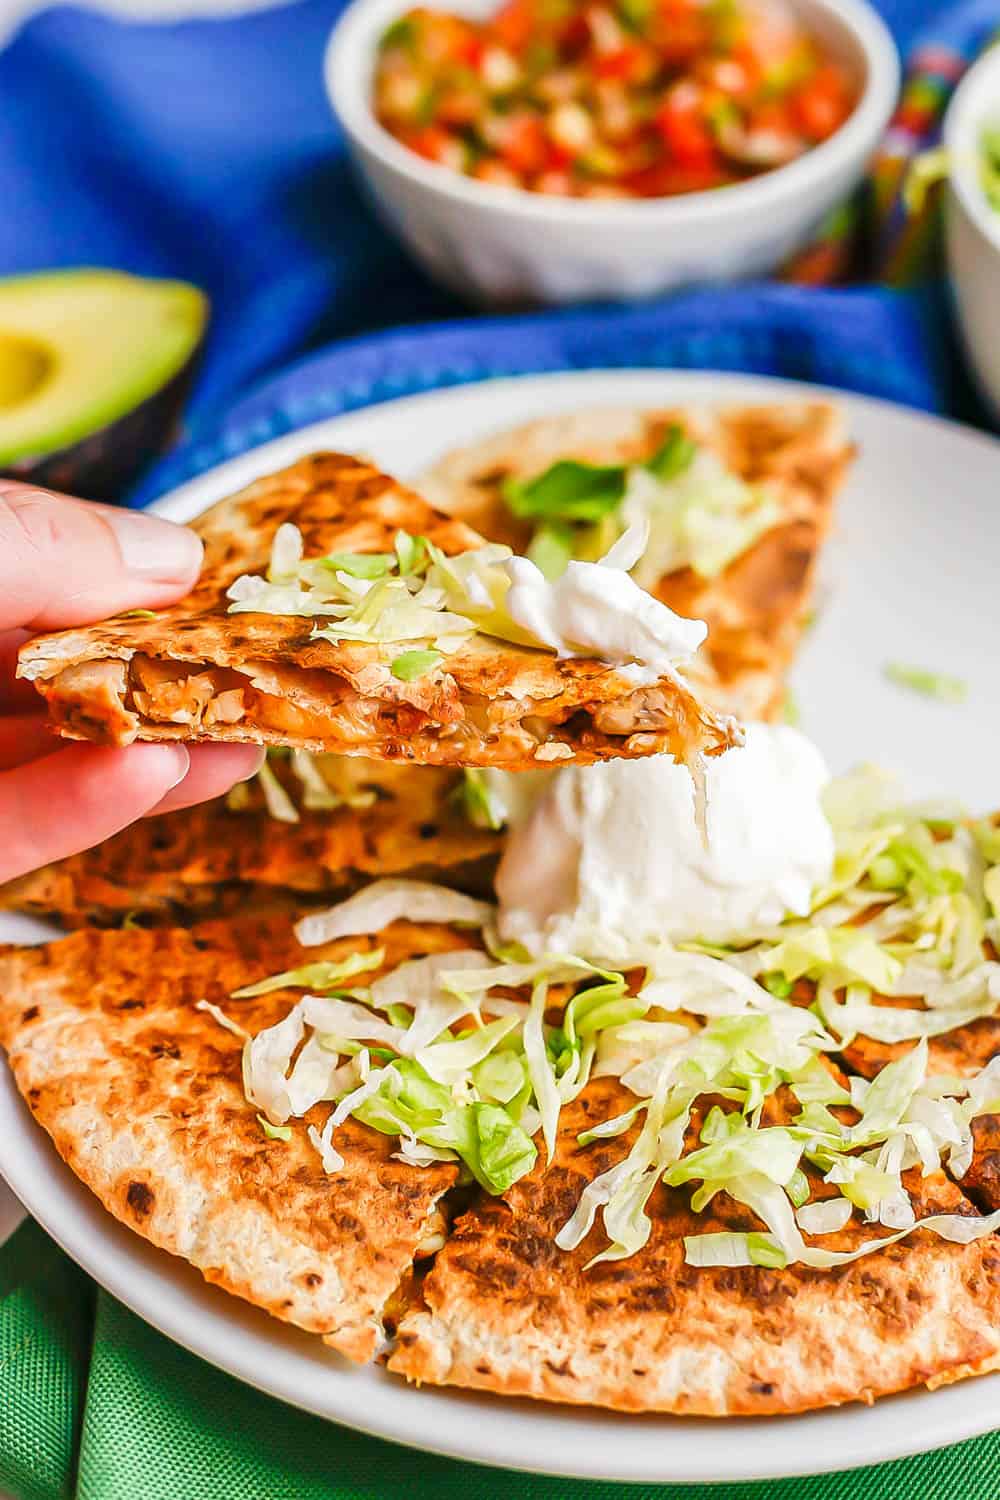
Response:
column 94, row 366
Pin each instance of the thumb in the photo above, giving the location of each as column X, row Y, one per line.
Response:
column 66, row 562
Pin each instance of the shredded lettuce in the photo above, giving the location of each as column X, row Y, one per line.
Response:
column 451, row 1083
column 928, row 684
column 279, row 804
column 842, row 955
column 318, row 976
column 326, row 782
column 904, row 1119
column 434, row 603
column 413, row 664
column 226, row 1022
column 699, row 515
column 785, row 1238
column 568, row 491
column 702, row 517
column 385, row 901
column 482, row 808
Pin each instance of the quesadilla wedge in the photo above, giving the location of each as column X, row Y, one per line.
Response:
column 742, row 522
column 505, row 1309
column 304, row 1163
column 141, row 1092
column 356, row 642
column 272, row 834
column 962, row 1053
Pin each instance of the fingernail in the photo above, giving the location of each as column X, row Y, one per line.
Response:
column 249, row 775
column 182, row 757
column 155, row 549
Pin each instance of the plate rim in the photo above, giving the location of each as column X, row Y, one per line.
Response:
column 809, row 1443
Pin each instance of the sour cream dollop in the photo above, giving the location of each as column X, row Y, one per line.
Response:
column 610, row 859
column 597, row 609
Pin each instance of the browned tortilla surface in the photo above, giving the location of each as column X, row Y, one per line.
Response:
column 962, row 1051
column 211, row 856
column 142, row 1096
column 194, row 671
column 505, row 1310
column 756, row 608
column 141, row 1093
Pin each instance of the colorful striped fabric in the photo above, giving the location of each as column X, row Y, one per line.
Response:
column 877, row 236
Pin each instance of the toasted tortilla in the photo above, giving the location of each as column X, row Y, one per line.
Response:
column 196, row 672
column 756, row 608
column 962, row 1052
column 505, row 1310
column 142, row 1095
column 212, row 858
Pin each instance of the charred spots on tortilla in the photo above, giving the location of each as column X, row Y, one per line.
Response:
column 165, row 1049
column 31, row 1014
column 140, row 1198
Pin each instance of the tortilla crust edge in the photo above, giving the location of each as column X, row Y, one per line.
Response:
column 505, row 1310
column 142, row 1098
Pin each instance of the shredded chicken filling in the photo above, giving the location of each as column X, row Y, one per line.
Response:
column 321, row 707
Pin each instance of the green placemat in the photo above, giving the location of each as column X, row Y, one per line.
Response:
column 95, row 1404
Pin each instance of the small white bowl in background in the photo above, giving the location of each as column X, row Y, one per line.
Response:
column 972, row 226
column 498, row 245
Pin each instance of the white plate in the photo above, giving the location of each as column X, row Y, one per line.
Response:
column 910, row 576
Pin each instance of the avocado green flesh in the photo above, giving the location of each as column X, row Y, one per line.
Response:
column 80, row 349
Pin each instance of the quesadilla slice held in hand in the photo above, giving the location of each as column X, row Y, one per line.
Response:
column 336, row 611
column 739, row 501
column 141, row 1089
column 311, row 825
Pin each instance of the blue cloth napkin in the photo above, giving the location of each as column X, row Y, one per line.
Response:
column 206, row 149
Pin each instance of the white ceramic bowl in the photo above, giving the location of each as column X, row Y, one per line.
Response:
column 972, row 226
column 506, row 246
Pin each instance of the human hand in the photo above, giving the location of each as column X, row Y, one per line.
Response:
column 66, row 562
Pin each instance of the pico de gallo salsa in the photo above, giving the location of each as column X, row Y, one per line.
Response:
column 610, row 98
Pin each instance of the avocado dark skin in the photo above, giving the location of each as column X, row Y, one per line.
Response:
column 94, row 368
column 103, row 465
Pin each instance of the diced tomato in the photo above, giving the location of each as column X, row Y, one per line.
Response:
column 615, row 64
column 514, row 23
column 526, row 144
column 821, row 105
column 558, row 157
column 606, row 97
column 556, row 184
column 458, row 106
column 686, row 133
column 680, row 31
column 471, row 51
column 667, row 178
column 773, row 115
column 496, row 172
column 749, row 64
column 432, row 142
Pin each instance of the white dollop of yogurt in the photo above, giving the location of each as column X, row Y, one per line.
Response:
column 597, row 609
column 610, row 860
